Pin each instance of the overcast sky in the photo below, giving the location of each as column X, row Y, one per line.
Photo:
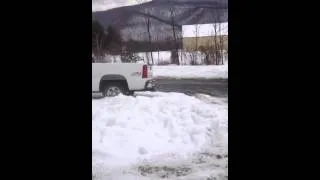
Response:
column 100, row 5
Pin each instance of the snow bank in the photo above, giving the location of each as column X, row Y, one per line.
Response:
column 207, row 72
column 153, row 129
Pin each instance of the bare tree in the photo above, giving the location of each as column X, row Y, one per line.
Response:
column 98, row 36
column 148, row 27
column 196, row 32
column 147, row 19
column 223, row 39
column 175, row 55
column 149, row 34
column 215, row 38
column 220, row 43
column 98, row 51
column 206, row 51
column 194, row 51
column 215, row 43
column 218, row 37
column 181, row 57
column 157, row 39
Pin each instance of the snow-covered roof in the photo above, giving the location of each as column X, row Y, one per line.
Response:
column 201, row 30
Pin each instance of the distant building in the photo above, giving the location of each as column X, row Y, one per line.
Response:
column 206, row 35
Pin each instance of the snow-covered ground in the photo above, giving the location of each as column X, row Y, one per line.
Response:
column 164, row 57
column 159, row 135
column 178, row 72
column 193, row 72
column 158, row 57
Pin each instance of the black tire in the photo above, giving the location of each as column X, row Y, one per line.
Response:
column 114, row 89
column 130, row 93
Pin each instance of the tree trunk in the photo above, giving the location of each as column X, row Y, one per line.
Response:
column 175, row 59
column 149, row 37
column 158, row 56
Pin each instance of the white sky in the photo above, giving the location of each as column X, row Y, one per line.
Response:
column 204, row 30
column 101, row 5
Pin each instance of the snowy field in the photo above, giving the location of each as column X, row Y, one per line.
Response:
column 192, row 72
column 157, row 135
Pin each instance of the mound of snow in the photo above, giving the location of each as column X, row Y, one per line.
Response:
column 151, row 127
column 192, row 72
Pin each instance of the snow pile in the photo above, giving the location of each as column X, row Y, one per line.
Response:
column 192, row 72
column 138, row 137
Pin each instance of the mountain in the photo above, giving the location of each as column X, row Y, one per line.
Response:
column 131, row 20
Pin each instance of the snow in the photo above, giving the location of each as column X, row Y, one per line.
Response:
column 158, row 56
column 155, row 135
column 178, row 72
column 164, row 57
column 112, row 58
column 192, row 72
column 202, row 30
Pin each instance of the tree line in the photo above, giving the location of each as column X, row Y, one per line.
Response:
column 104, row 41
column 109, row 41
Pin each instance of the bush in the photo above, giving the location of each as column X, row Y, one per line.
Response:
column 129, row 57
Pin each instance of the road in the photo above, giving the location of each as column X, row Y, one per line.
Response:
column 217, row 88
